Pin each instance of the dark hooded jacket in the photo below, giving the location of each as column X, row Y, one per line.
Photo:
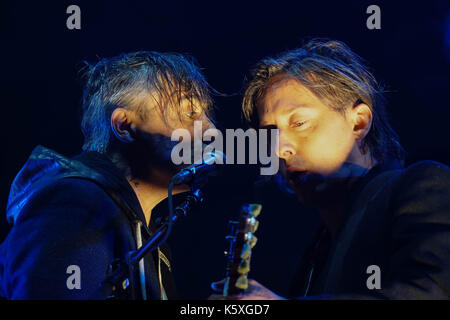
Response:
column 76, row 216
column 397, row 229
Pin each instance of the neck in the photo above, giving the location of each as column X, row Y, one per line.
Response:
column 332, row 211
column 148, row 194
column 332, row 202
column 150, row 185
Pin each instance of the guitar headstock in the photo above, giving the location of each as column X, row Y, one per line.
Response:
column 241, row 240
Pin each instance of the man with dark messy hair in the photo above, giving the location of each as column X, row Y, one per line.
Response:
column 80, row 214
column 129, row 81
column 385, row 229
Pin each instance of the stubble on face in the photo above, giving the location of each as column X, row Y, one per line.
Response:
column 316, row 142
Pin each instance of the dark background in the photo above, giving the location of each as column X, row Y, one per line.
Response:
column 41, row 90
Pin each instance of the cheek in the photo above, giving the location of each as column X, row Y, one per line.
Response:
column 328, row 147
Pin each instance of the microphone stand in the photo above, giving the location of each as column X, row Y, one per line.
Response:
column 192, row 200
column 117, row 281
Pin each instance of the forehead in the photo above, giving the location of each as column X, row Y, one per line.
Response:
column 283, row 96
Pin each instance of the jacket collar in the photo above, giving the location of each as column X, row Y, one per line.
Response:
column 45, row 166
column 387, row 165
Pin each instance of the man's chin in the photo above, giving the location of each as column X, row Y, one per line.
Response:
column 309, row 186
column 305, row 180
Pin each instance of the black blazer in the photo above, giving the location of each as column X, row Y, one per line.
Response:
column 399, row 221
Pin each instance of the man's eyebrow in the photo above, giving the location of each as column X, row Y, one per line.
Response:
column 287, row 112
column 294, row 106
column 267, row 126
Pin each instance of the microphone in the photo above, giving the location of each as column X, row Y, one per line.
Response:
column 207, row 167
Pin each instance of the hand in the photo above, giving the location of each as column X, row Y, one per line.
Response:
column 255, row 291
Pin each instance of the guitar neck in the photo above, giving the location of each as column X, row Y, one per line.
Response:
column 241, row 240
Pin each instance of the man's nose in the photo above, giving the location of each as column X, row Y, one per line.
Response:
column 285, row 149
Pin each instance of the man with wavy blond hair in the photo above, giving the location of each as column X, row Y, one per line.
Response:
column 385, row 229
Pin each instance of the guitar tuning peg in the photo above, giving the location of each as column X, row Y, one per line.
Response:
column 242, row 282
column 244, row 267
column 253, row 241
column 255, row 226
column 245, row 253
column 255, row 209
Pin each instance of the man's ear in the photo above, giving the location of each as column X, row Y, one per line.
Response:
column 362, row 120
column 122, row 126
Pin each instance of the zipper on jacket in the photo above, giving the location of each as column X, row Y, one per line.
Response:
column 163, row 292
column 138, row 226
